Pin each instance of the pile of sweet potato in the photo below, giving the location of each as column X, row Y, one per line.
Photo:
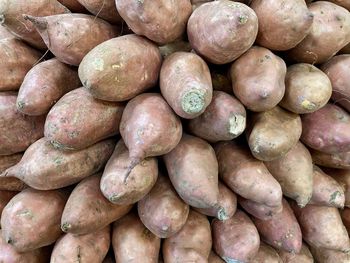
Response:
column 174, row 131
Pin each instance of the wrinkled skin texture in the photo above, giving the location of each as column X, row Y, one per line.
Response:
column 10, row 184
column 133, row 242
column 307, row 89
column 18, row 227
column 343, row 178
column 162, row 26
column 273, row 133
column 192, row 243
column 322, row 255
column 17, row 59
column 73, row 5
column 5, row 197
column 161, row 210
column 78, row 120
column 304, row 256
column 282, row 25
column 44, row 84
column 223, row 120
column 185, row 83
column 5, row 33
column 345, row 215
column 266, row 254
column 193, row 171
column 87, row 210
column 221, row 31
column 258, row 79
column 45, row 168
column 17, row 131
column 331, row 160
column 121, row 68
column 259, row 210
column 327, row 130
column 105, row 9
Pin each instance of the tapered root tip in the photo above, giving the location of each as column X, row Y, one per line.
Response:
column 39, row 22
column 134, row 162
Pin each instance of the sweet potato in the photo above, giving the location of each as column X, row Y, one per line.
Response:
column 85, row 248
column 5, row 33
column 294, row 172
column 323, row 255
column 133, row 242
column 193, row 170
column 266, row 254
column 327, row 130
column 78, row 120
column 282, row 25
column 10, row 184
column 329, row 33
column 343, row 178
column 87, row 210
column 271, row 134
column 44, row 84
column 11, row 17
column 17, row 131
column 304, row 256
column 221, row 31
column 223, row 120
column 177, row 45
column 339, row 160
column 235, row 239
column 258, row 79
column 185, row 83
column 161, row 210
column 120, row 68
column 5, row 197
column 45, row 168
column 71, row 36
column 163, row 26
column 73, row 5
column 192, row 243
column 105, row 9
column 345, row 216
column 307, row 89
column 214, row 258
column 259, row 210
column 32, row 219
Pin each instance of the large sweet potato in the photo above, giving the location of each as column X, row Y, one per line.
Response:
column 259, row 210
column 343, row 178
column 73, row 5
column 322, row 255
column 105, row 9
column 340, row 160
column 10, row 183
column 304, row 256
column 266, row 254
column 5, row 197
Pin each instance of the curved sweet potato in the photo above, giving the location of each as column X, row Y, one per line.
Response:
column 105, row 9
column 266, row 254
column 5, row 197
column 322, row 255
column 343, row 178
column 73, row 5
column 259, row 210
column 214, row 258
column 340, row 160
column 5, row 33
column 345, row 216
column 304, row 256
column 10, row 184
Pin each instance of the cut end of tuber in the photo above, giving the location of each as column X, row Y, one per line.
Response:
column 65, row 227
column 237, row 124
column 222, row 215
column 39, row 22
column 193, row 101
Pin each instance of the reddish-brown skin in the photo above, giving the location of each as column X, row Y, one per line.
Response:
column 337, row 69
column 327, row 130
column 185, row 83
column 45, row 168
column 17, row 59
column 5, row 33
column 193, row 171
column 222, row 30
column 161, row 210
column 345, row 215
column 343, row 178
column 266, row 254
column 236, row 238
column 78, row 120
column 162, row 26
column 329, row 33
column 259, row 210
column 17, row 131
column 322, row 255
column 105, row 9
column 11, row 16
column 73, row 5
column 10, row 184
column 214, row 258
column 32, row 219
column 71, row 36
column 44, row 84
column 282, row 25
column 92, row 247
column 282, row 231
column 223, row 120
column 294, row 172
column 304, row 256
column 121, row 68
column 87, row 210
column 133, row 242
column 192, row 243
column 331, row 160
column 5, row 197
column 141, row 179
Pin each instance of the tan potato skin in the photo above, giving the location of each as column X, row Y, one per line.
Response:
column 73, row 5
column 121, row 68
column 44, row 84
column 282, row 26
column 17, row 131
column 78, row 120
column 192, row 243
column 18, row 227
column 185, row 83
column 5, row 197
column 5, row 33
column 266, row 254
column 90, row 248
column 105, row 9
column 214, row 258
column 87, row 210
column 294, row 172
column 258, row 79
column 307, row 89
column 271, row 134
column 71, row 36
column 162, row 211
column 133, row 242
column 329, row 33
column 331, row 160
column 10, row 184
column 322, row 255
column 304, row 256
column 43, row 167
column 214, row 27
column 345, row 216
column 259, row 210
column 343, row 178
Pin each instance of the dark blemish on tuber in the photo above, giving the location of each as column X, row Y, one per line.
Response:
column 38, row 22
column 20, row 105
column 65, row 227
column 242, row 19
column 78, row 254
column 9, row 240
column 334, row 197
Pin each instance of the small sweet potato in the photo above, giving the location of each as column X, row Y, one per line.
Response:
column 259, row 210
column 340, row 160
column 5, row 197
column 105, row 9
column 221, row 31
column 78, row 120
column 323, row 255
column 343, row 178
column 10, row 184
column 304, row 256
column 133, row 242
column 44, row 84
column 121, row 68
column 73, row 5
column 345, row 216
column 177, row 45
column 266, row 254
column 5, row 33
column 214, row 258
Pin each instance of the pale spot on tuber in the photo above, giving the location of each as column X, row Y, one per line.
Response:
column 306, row 104
column 237, row 124
column 98, row 64
column 231, row 260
